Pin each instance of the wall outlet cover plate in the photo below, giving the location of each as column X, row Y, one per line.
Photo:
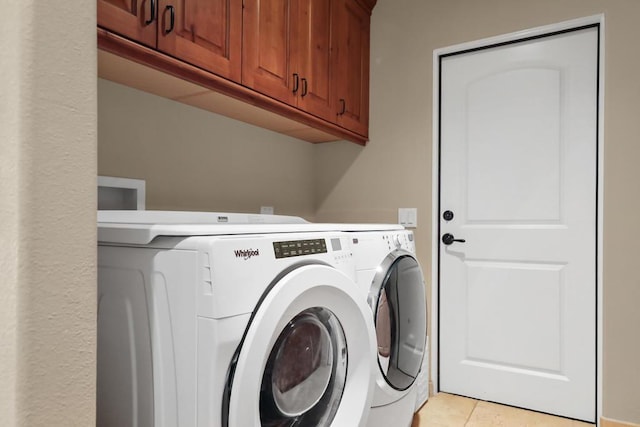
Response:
column 408, row 217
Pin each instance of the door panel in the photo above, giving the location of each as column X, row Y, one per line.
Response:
column 531, row 339
column 312, row 35
column 351, row 45
column 530, row 140
column 267, row 48
column 518, row 169
column 129, row 18
column 206, row 33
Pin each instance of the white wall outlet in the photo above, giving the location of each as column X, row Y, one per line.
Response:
column 267, row 210
column 408, row 217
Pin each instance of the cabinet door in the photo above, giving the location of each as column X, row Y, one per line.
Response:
column 311, row 58
column 351, row 45
column 266, row 48
column 130, row 18
column 205, row 33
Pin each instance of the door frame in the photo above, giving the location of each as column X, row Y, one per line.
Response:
column 595, row 20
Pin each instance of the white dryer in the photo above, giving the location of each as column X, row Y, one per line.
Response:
column 230, row 325
column 390, row 275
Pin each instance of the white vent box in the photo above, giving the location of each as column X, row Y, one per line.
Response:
column 120, row 193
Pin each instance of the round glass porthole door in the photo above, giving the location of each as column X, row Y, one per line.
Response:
column 305, row 373
column 398, row 300
column 305, row 358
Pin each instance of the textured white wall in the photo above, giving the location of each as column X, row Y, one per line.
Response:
column 47, row 213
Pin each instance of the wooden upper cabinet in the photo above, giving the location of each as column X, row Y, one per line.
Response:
column 266, row 48
column 312, row 57
column 205, row 33
column 134, row 19
column 287, row 52
column 304, row 59
column 351, row 24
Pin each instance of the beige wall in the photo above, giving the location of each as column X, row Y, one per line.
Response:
column 9, row 134
column 48, row 169
column 394, row 170
column 221, row 164
column 195, row 160
column 47, row 213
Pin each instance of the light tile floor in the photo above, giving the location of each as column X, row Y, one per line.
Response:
column 447, row 410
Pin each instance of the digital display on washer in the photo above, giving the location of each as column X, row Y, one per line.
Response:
column 299, row 248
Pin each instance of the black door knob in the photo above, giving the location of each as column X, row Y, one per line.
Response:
column 447, row 215
column 448, row 239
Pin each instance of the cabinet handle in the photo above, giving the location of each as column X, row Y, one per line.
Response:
column 296, row 81
column 153, row 13
column 344, row 107
column 304, row 87
column 172, row 18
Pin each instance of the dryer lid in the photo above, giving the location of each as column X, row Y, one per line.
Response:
column 141, row 227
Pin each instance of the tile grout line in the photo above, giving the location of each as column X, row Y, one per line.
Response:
column 471, row 413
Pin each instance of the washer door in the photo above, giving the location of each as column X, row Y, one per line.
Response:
column 305, row 359
column 397, row 298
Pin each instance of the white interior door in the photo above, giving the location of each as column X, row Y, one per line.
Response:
column 518, row 150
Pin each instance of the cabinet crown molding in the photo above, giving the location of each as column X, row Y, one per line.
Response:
column 368, row 4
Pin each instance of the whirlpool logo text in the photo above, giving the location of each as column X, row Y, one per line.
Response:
column 246, row 253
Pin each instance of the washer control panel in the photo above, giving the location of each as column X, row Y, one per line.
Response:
column 399, row 241
column 293, row 248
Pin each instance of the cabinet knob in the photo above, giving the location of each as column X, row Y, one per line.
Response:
column 344, row 107
column 304, row 87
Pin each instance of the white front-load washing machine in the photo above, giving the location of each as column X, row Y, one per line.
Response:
column 230, row 325
column 389, row 273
